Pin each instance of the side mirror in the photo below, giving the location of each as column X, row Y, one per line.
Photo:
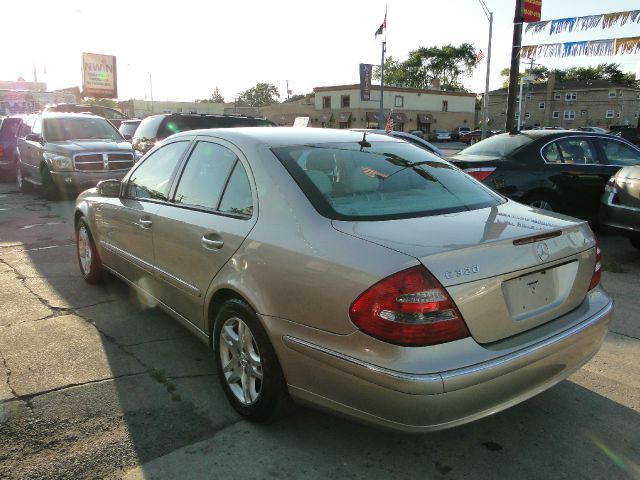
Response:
column 34, row 137
column 109, row 188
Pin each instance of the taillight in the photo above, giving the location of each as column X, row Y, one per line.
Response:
column 409, row 308
column 480, row 173
column 597, row 269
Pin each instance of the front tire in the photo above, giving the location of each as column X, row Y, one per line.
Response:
column 23, row 185
column 88, row 258
column 247, row 365
column 48, row 186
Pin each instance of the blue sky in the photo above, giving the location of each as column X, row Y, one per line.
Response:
column 190, row 47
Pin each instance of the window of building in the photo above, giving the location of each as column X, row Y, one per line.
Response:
column 620, row 94
column 569, row 115
column 527, row 115
column 571, row 96
column 609, row 114
column 326, row 102
column 517, row 115
column 399, row 101
column 618, row 115
column 636, row 114
column 556, row 96
column 555, row 114
column 345, row 101
column 445, row 105
column 541, row 105
column 612, row 94
column 528, row 96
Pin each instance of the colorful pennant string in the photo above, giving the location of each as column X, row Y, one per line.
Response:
column 591, row 48
column 608, row 20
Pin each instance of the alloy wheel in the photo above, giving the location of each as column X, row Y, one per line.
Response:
column 241, row 362
column 85, row 253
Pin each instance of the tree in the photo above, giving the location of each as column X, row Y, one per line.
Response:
column 449, row 64
column 216, row 97
column 540, row 73
column 261, row 95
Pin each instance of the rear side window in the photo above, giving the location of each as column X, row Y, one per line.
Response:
column 619, row 153
column 574, row 150
column 186, row 123
column 148, row 128
column 385, row 181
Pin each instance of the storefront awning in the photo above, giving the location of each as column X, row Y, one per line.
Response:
column 284, row 118
column 326, row 117
column 425, row 118
column 399, row 117
column 344, row 117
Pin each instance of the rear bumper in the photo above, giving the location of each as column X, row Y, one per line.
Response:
column 80, row 181
column 434, row 401
column 621, row 218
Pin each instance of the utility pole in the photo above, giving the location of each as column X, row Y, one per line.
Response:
column 485, row 99
column 515, row 66
column 381, row 116
column 288, row 90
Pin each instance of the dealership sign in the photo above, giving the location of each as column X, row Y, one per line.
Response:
column 99, row 76
column 531, row 11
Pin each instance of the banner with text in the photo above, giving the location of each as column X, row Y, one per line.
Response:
column 365, row 81
column 532, row 10
column 99, row 76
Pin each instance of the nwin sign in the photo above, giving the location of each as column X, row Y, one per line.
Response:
column 99, row 76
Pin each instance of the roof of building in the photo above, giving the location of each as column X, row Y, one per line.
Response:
column 389, row 88
column 572, row 85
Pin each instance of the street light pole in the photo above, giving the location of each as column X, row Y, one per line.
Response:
column 485, row 100
column 151, row 93
column 515, row 66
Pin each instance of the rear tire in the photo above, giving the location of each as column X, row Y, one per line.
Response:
column 247, row 366
column 49, row 188
column 88, row 258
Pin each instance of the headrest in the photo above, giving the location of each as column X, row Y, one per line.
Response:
column 359, row 182
column 321, row 159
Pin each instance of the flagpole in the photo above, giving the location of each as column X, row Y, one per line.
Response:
column 384, row 49
column 485, row 107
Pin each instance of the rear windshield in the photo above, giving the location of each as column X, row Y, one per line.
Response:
column 498, row 146
column 388, row 180
column 9, row 128
column 60, row 129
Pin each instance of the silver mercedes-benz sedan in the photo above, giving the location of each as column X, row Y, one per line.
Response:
column 350, row 271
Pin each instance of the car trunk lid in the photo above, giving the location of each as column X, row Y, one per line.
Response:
column 507, row 268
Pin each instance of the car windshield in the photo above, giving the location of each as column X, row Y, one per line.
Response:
column 387, row 180
column 498, row 146
column 66, row 128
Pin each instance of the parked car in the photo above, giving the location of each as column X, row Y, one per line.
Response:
column 128, row 128
column 458, row 132
column 155, row 128
column 593, row 129
column 116, row 117
column 474, row 136
column 408, row 137
column 442, row 135
column 8, row 134
column 361, row 275
column 620, row 209
column 65, row 152
column 563, row 171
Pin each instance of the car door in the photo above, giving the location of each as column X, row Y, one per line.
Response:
column 575, row 171
column 210, row 215
column 126, row 223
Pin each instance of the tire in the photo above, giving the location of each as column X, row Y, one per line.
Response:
column 23, row 185
column 247, row 365
column 635, row 241
column 88, row 258
column 473, row 141
column 49, row 188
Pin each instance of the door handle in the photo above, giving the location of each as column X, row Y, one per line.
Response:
column 145, row 222
column 215, row 244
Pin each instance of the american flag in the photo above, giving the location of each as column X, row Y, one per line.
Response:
column 479, row 57
column 389, row 127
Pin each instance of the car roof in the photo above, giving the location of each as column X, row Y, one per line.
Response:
column 280, row 136
column 69, row 115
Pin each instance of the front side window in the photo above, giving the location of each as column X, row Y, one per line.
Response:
column 387, row 180
column 205, row 176
column 37, row 126
column 619, row 153
column 152, row 179
column 25, row 128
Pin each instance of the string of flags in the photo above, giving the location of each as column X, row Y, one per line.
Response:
column 606, row 20
column 479, row 57
column 590, row 48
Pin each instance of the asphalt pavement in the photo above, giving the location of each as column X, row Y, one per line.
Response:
column 96, row 384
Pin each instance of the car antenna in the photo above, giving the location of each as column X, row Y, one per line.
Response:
column 363, row 143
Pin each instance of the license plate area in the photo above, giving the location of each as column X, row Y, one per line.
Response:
column 531, row 294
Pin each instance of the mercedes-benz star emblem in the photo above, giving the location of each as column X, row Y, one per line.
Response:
column 542, row 249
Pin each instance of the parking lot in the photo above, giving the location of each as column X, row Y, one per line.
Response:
column 95, row 384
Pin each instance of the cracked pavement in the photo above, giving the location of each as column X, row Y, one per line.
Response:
column 95, row 385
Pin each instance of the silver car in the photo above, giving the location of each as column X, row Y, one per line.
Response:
column 620, row 204
column 350, row 271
